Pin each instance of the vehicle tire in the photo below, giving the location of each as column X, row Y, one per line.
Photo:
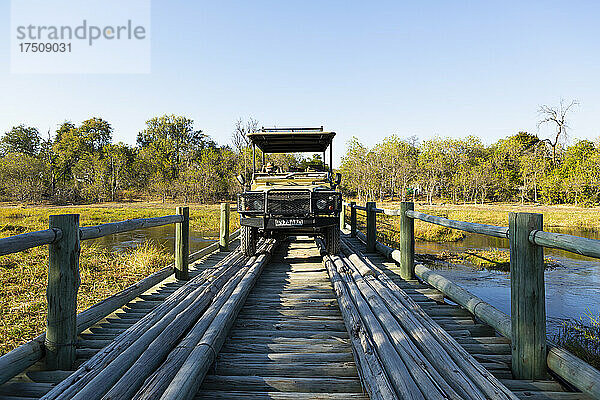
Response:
column 332, row 239
column 248, row 240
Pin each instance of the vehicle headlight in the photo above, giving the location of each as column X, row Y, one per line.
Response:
column 257, row 205
column 251, row 202
column 321, row 204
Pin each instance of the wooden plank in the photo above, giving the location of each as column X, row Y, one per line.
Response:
column 24, row 241
column 255, row 395
column 93, row 232
column 274, row 383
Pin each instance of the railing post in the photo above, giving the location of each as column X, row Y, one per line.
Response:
column 353, row 219
column 182, row 244
column 407, row 242
column 528, row 308
column 371, row 226
column 343, row 217
column 224, row 232
column 63, row 284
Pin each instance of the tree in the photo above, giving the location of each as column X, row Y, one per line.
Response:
column 556, row 116
column 21, row 139
column 240, row 142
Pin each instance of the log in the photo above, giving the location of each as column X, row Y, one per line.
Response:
column 371, row 370
column 63, row 284
column 575, row 244
column 352, row 219
column 182, row 244
column 24, row 241
column 224, row 227
column 158, row 381
column 490, row 230
column 407, row 242
column 528, row 299
column 425, row 375
column 438, row 337
column 29, row 353
column 186, row 382
column 93, row 232
column 575, row 371
column 173, row 303
column 371, row 226
column 155, row 353
column 395, row 368
column 157, row 340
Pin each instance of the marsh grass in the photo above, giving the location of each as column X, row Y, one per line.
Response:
column 23, row 276
column 582, row 338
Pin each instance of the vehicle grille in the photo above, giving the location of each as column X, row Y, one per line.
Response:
column 288, row 203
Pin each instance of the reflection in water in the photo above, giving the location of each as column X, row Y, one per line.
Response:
column 163, row 236
column 571, row 291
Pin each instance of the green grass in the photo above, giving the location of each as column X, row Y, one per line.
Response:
column 103, row 273
column 582, row 338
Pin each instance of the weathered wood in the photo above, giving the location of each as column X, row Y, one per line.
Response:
column 24, row 241
column 575, row 371
column 164, row 314
column 136, row 360
column 343, row 217
column 371, row 226
column 482, row 310
column 490, row 230
column 224, row 227
column 352, row 219
column 93, row 232
column 63, row 284
column 395, row 368
column 372, row 371
column 186, row 382
column 459, row 369
column 429, row 380
column 575, row 244
column 265, row 395
column 182, row 244
column 311, row 385
column 528, row 307
column 407, row 242
column 163, row 346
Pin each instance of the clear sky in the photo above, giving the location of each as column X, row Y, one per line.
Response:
column 361, row 68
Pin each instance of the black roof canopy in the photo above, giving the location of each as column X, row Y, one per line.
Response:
column 291, row 140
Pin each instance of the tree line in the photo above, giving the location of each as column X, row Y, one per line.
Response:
column 81, row 164
column 521, row 167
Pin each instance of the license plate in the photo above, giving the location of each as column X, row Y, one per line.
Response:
column 288, row 222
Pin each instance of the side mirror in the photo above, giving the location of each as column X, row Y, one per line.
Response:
column 240, row 178
column 338, row 178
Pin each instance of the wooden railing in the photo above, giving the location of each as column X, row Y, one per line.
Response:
column 532, row 353
column 64, row 236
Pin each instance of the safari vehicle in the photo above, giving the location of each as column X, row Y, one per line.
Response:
column 300, row 201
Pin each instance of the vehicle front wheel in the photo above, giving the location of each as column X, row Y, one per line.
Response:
column 332, row 239
column 248, row 240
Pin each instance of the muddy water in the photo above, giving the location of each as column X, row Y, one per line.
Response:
column 571, row 290
column 163, row 236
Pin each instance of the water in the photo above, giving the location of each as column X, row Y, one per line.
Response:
column 571, row 290
column 163, row 236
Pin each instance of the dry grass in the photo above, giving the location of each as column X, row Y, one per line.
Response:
column 582, row 338
column 23, row 275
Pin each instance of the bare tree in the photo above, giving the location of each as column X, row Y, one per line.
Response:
column 239, row 137
column 556, row 116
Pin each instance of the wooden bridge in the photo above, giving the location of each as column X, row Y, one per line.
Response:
column 295, row 323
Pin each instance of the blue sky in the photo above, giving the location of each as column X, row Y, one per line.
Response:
column 365, row 69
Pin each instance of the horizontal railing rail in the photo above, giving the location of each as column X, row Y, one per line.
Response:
column 94, row 232
column 25, row 241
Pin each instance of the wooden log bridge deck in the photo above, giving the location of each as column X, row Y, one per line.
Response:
column 291, row 323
